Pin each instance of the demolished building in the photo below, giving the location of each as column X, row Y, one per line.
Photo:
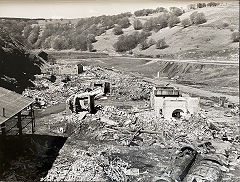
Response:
column 68, row 69
column 83, row 101
column 105, row 86
column 169, row 103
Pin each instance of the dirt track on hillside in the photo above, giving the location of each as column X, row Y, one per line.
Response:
column 213, row 62
column 191, row 90
column 196, row 91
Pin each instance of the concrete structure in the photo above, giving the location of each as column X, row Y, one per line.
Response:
column 168, row 102
column 64, row 69
column 105, row 86
column 68, row 69
column 83, row 102
column 80, row 68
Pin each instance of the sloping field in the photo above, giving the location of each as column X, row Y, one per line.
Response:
column 214, row 35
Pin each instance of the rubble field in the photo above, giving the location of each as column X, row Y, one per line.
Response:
column 125, row 140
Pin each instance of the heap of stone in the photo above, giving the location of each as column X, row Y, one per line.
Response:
column 124, row 86
column 175, row 133
column 54, row 93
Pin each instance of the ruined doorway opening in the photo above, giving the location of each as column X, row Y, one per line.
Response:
column 177, row 113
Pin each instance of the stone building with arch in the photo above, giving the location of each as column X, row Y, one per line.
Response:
column 169, row 103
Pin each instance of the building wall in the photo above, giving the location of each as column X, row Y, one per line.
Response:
column 169, row 104
column 80, row 68
column 68, row 70
column 62, row 70
column 158, row 104
column 193, row 104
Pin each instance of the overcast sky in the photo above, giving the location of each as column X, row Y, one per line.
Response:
column 80, row 8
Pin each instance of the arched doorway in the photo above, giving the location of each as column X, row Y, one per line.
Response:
column 177, row 113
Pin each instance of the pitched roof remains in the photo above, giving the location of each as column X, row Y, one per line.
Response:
column 11, row 103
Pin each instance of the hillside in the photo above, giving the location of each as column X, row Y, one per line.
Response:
column 17, row 65
column 214, row 35
column 210, row 32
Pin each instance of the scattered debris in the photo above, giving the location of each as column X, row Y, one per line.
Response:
column 125, row 140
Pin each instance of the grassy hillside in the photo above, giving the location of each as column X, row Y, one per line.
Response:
column 211, row 37
column 214, row 35
column 17, row 65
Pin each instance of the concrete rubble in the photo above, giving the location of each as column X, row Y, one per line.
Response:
column 57, row 92
column 126, row 141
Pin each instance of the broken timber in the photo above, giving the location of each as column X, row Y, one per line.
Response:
column 126, row 130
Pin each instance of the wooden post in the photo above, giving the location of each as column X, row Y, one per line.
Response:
column 91, row 103
column 3, row 128
column 32, row 118
column 106, row 87
column 19, row 123
column 3, row 112
column 3, row 125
